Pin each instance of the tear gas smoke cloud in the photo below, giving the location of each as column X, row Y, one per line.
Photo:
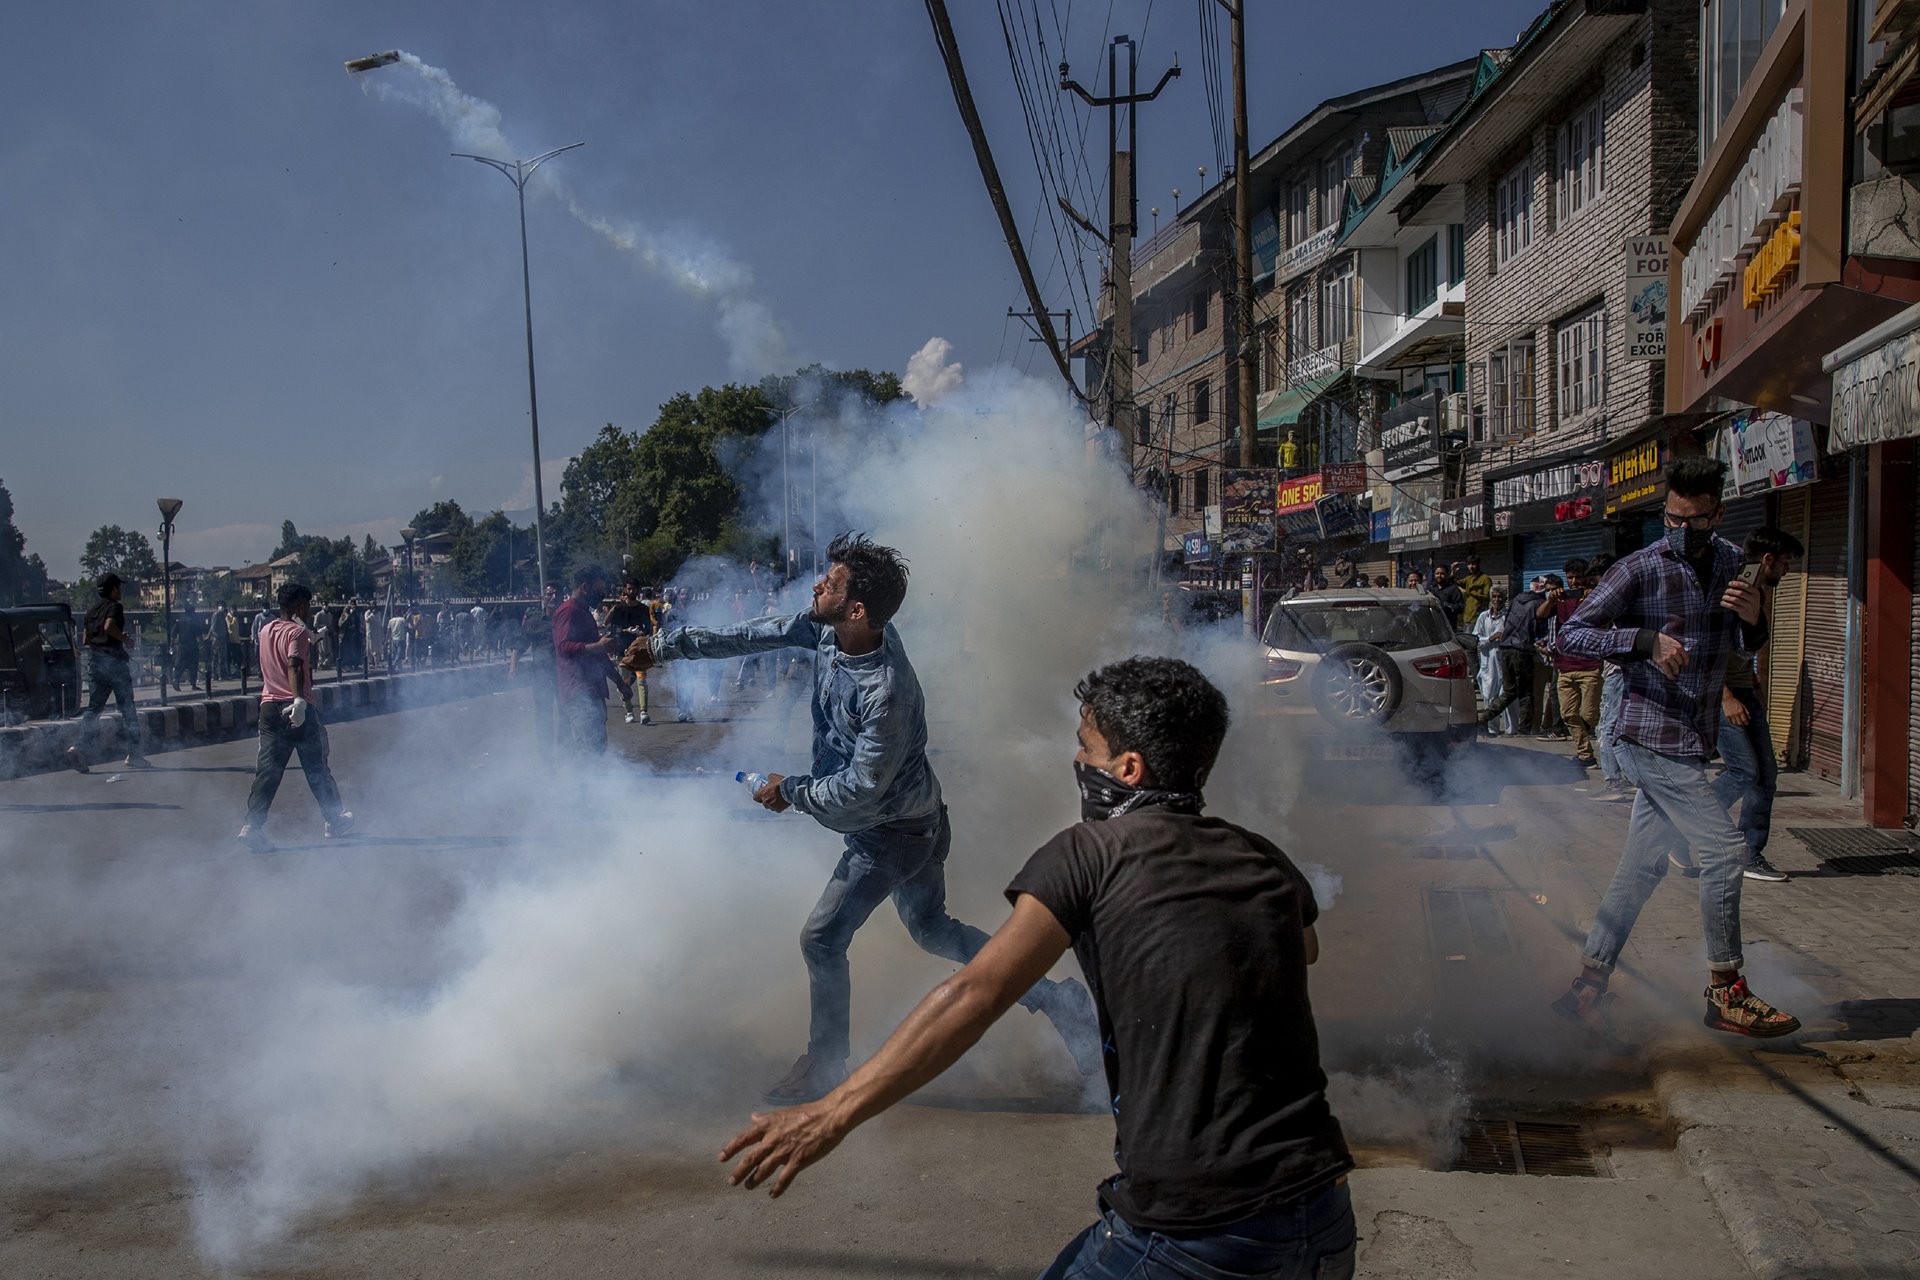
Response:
column 755, row 342
column 327, row 1021
column 929, row 376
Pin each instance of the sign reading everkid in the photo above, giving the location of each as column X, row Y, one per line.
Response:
column 1636, row 475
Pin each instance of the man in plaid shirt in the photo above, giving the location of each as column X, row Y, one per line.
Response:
column 1668, row 614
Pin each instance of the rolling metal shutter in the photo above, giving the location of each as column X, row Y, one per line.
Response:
column 1547, row 552
column 1744, row 515
column 1824, row 669
column 1786, row 650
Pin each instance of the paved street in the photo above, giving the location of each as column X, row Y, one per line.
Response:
column 458, row 1061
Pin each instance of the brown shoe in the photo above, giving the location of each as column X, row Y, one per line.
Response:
column 809, row 1081
column 1587, row 1004
column 1736, row 1009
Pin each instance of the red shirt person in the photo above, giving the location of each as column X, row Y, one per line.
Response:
column 581, row 663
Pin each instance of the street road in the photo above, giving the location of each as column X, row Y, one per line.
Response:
column 144, row 953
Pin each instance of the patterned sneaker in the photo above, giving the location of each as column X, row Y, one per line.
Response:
column 1758, row 868
column 1736, row 1009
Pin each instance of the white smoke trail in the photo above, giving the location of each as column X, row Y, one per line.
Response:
column 755, row 342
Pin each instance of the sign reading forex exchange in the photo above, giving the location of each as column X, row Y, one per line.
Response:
column 1647, row 258
column 1246, row 512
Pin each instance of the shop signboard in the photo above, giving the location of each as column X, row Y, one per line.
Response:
column 1210, row 520
column 1415, row 514
column 1382, row 529
column 1296, row 506
column 1552, row 493
column 1636, row 475
column 1462, row 520
column 1647, row 258
column 1266, row 242
column 1246, row 511
column 1196, row 548
column 1766, row 451
column 1341, row 516
column 1410, row 437
column 1877, row 397
column 1344, row 477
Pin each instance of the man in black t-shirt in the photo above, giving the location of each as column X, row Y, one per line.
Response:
column 1195, row 936
column 104, row 633
column 628, row 619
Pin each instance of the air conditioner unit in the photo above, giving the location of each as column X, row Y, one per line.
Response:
column 1456, row 418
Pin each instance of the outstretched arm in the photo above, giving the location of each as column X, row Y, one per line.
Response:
column 777, row 631
column 944, row 1025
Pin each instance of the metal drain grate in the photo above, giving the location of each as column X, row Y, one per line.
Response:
column 1541, row 1148
column 1464, row 924
column 1857, row 851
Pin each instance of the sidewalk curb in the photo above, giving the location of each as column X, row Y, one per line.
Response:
column 36, row 748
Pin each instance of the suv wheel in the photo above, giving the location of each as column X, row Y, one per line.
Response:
column 1357, row 684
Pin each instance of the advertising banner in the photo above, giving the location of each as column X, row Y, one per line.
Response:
column 1246, row 511
column 1877, row 397
column 1415, row 514
column 1462, row 520
column 1344, row 477
column 1266, row 242
column 1636, row 475
column 1647, row 258
column 1545, row 495
column 1341, row 516
column 1410, row 437
column 1210, row 520
column 1766, row 451
column 1196, row 548
column 1296, row 506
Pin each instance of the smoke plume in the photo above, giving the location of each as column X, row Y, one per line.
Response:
column 754, row 340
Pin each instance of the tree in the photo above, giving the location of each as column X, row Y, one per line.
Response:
column 122, row 551
column 23, row 577
column 441, row 517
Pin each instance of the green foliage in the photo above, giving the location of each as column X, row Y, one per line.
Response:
column 23, row 577
column 123, row 551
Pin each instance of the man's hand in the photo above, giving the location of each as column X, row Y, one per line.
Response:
column 1745, row 600
column 769, row 797
column 638, row 657
column 1734, row 710
column 782, row 1144
column 1668, row 654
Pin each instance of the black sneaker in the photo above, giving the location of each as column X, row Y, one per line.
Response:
column 1758, row 868
column 340, row 825
column 809, row 1081
column 74, row 760
column 254, row 838
column 1586, row 1005
column 1069, row 1007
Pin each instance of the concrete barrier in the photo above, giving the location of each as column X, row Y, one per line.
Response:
column 38, row 747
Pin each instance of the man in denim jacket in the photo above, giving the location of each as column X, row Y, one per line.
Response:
column 872, row 782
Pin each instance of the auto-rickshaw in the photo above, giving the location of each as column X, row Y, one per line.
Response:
column 39, row 663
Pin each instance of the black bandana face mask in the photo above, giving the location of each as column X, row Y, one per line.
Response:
column 1104, row 796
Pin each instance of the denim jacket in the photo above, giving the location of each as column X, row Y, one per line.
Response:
column 869, row 720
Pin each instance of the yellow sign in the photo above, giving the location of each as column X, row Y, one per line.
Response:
column 1772, row 262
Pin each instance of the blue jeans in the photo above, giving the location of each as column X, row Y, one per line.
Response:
column 1309, row 1238
column 1676, row 807
column 112, row 677
column 907, row 861
column 1613, row 696
column 583, row 723
column 1752, row 772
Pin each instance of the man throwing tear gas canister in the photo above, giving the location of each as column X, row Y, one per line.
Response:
column 872, row 782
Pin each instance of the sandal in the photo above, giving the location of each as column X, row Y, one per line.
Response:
column 1734, row 1008
column 1587, row 1004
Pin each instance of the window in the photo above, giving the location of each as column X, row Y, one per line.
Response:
column 1456, row 254
column 1423, row 276
column 1732, row 34
column 1200, row 311
column 1202, row 401
column 1580, row 362
column 1509, row 389
column 1200, row 490
column 1299, row 322
column 1142, row 428
column 1299, row 212
column 1333, row 187
column 1512, row 215
column 1579, row 150
column 1336, row 304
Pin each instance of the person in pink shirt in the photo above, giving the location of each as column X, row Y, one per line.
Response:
column 288, row 724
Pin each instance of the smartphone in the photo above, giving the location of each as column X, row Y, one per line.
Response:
column 1749, row 574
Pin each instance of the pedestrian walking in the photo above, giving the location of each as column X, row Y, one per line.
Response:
column 1196, row 936
column 871, row 782
column 627, row 621
column 1669, row 613
column 324, row 636
column 221, row 628
column 1485, row 627
column 396, row 628
column 103, row 633
column 1513, row 652
column 1576, row 679
column 187, row 629
column 582, row 664
column 290, row 723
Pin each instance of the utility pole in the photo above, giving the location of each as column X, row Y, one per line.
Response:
column 1245, row 354
column 1122, row 221
column 970, row 117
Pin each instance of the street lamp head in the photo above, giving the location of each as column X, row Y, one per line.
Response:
column 372, row 62
column 169, row 508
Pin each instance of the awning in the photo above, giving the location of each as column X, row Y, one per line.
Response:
column 1286, row 407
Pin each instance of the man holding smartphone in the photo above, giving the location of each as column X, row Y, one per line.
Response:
column 1752, row 772
column 1669, row 614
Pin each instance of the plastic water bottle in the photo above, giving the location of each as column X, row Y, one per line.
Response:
column 751, row 781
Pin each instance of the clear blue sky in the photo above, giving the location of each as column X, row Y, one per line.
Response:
column 237, row 277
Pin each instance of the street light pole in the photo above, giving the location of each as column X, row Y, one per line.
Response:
column 169, row 508
column 786, row 490
column 518, row 172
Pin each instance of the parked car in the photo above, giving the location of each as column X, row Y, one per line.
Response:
column 39, row 666
column 1369, row 674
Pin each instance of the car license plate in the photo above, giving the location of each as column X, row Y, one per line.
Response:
column 1359, row 751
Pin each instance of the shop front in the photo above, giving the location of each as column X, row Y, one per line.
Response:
column 1552, row 508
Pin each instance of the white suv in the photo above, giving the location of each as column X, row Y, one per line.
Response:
column 1368, row 671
